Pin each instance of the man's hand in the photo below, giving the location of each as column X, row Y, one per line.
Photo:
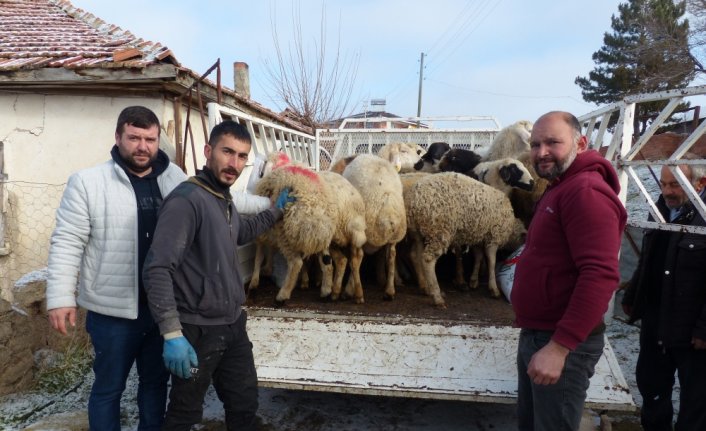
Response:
column 546, row 365
column 58, row 316
column 179, row 357
column 284, row 199
column 698, row 343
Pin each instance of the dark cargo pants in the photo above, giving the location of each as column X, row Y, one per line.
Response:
column 225, row 357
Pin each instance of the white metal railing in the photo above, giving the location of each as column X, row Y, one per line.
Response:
column 269, row 137
column 343, row 142
column 622, row 151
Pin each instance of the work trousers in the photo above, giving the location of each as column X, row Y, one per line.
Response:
column 225, row 357
column 656, row 367
column 558, row 406
column 118, row 343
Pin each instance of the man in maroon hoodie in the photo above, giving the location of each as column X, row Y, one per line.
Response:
column 566, row 275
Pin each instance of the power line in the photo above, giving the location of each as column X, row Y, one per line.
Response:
column 458, row 45
column 515, row 96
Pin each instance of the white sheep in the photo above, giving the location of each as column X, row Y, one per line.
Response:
column 349, row 237
column 511, row 141
column 385, row 220
column 308, row 226
column 453, row 210
column 402, row 155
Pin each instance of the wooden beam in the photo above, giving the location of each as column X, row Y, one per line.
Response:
column 97, row 74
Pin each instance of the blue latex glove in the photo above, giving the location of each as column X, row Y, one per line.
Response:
column 284, row 199
column 179, row 357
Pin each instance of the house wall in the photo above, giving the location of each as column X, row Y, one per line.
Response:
column 48, row 137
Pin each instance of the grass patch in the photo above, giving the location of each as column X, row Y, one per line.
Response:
column 69, row 370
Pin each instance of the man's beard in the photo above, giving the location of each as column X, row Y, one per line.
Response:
column 135, row 166
column 559, row 166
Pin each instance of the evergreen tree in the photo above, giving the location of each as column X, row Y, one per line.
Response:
column 648, row 50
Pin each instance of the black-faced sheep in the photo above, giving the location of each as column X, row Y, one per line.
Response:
column 429, row 162
column 459, row 160
column 511, row 141
column 450, row 209
column 386, row 224
column 505, row 175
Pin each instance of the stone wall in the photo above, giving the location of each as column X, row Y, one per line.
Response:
column 25, row 330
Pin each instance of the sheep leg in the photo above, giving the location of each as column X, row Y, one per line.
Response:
column 259, row 256
column 391, row 253
column 326, row 274
column 304, row 274
column 490, row 255
column 459, row 282
column 269, row 252
column 416, row 254
column 477, row 259
column 354, row 287
column 429, row 258
column 339, row 269
column 294, row 265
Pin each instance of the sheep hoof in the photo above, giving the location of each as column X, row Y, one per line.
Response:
column 388, row 297
column 440, row 305
column 279, row 303
column 326, row 298
column 335, row 296
column 359, row 301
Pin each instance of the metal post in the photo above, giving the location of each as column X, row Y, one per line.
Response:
column 421, row 78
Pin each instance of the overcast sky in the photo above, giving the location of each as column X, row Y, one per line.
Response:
column 512, row 59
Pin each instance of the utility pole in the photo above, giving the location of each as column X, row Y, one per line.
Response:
column 421, row 78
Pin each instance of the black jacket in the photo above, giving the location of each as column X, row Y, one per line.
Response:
column 192, row 271
column 668, row 289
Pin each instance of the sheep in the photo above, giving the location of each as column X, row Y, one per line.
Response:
column 385, row 219
column 523, row 201
column 459, row 160
column 349, row 236
column 511, row 141
column 308, row 226
column 505, row 175
column 451, row 209
column 429, row 161
column 402, row 155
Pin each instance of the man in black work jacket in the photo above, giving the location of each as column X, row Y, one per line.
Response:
column 195, row 289
column 668, row 292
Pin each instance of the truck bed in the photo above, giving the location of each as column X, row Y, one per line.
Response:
column 405, row 347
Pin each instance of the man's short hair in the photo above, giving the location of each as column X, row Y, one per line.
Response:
column 229, row 127
column 697, row 171
column 137, row 116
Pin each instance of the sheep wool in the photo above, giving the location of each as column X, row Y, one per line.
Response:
column 451, row 209
column 385, row 219
column 511, row 141
column 308, row 225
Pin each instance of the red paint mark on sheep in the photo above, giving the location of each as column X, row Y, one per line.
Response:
column 282, row 160
column 300, row 170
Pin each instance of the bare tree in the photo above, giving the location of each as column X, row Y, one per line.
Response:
column 314, row 88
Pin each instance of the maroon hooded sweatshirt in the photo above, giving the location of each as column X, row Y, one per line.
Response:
column 568, row 271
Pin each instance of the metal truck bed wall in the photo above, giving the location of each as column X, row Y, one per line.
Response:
column 404, row 357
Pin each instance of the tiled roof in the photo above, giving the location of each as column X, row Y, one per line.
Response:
column 53, row 33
